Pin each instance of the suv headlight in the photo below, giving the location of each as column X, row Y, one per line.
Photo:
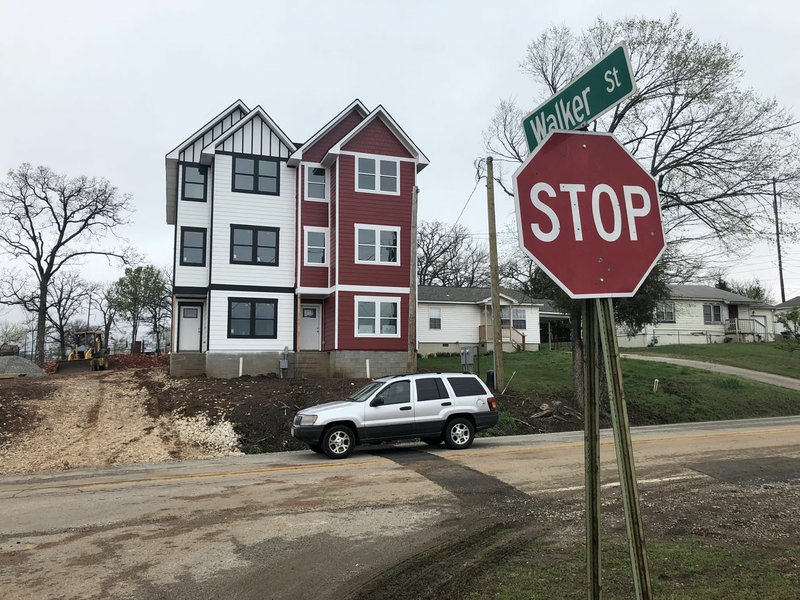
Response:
column 304, row 420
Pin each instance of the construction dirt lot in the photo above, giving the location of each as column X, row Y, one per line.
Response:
column 138, row 415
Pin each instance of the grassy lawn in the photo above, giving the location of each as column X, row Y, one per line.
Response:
column 682, row 394
column 682, row 568
column 768, row 357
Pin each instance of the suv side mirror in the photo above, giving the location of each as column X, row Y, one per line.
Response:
column 377, row 401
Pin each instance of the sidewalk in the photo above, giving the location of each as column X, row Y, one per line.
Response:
column 779, row 380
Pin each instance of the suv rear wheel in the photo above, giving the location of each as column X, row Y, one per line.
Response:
column 338, row 442
column 459, row 433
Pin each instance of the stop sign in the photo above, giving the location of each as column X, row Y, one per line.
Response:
column 588, row 214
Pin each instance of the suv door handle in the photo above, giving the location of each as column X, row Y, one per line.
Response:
column 447, row 404
column 405, row 408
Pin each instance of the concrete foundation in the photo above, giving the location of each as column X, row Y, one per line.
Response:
column 353, row 363
column 187, row 364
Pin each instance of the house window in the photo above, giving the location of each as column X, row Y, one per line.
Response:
column 316, row 246
column 505, row 316
column 254, row 245
column 377, row 317
column 316, row 183
column 377, row 175
column 379, row 245
column 251, row 318
column 518, row 318
column 665, row 312
column 194, row 183
column 256, row 175
column 193, row 247
column 712, row 313
column 434, row 317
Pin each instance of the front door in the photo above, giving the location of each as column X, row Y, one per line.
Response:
column 190, row 318
column 310, row 321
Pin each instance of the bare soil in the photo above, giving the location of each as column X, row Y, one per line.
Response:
column 136, row 413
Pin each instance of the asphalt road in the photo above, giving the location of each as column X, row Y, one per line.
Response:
column 297, row 525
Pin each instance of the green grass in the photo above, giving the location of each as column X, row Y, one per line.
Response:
column 769, row 357
column 682, row 395
column 680, row 568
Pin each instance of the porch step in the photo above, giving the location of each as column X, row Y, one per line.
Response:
column 309, row 364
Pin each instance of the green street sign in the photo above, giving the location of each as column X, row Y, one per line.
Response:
column 597, row 89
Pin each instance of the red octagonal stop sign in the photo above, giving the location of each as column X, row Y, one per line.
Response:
column 588, row 214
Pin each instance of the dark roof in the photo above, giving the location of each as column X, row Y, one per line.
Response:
column 790, row 303
column 475, row 295
column 707, row 292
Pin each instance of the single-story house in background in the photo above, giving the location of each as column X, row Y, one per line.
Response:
column 702, row 314
column 449, row 318
column 785, row 307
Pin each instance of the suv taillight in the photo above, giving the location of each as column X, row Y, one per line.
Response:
column 492, row 402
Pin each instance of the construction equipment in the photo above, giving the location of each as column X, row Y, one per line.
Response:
column 87, row 353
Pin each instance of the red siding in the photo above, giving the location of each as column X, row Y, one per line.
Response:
column 320, row 148
column 376, row 138
column 332, row 216
column 313, row 214
column 373, row 209
column 347, row 338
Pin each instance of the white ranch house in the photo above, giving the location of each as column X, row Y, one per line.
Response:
column 701, row 314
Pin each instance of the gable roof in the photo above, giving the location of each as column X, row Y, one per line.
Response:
column 707, row 292
column 471, row 295
column 211, row 130
column 355, row 105
column 397, row 131
column 259, row 112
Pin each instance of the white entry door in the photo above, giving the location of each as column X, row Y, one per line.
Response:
column 310, row 321
column 189, row 326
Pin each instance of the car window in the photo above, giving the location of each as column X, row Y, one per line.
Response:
column 396, row 393
column 466, row 386
column 365, row 392
column 431, row 388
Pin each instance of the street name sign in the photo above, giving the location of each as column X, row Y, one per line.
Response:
column 597, row 89
column 588, row 214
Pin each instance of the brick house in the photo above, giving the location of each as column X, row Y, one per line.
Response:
column 284, row 246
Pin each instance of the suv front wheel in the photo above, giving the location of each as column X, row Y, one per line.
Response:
column 338, row 442
column 459, row 433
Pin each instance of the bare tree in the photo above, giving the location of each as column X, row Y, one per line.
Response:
column 158, row 306
column 66, row 296
column 448, row 255
column 49, row 222
column 712, row 146
column 13, row 333
column 101, row 304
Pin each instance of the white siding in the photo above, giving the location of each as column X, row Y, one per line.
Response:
column 191, row 214
column 218, row 330
column 258, row 210
column 460, row 323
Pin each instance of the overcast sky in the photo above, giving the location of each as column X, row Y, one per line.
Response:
column 108, row 88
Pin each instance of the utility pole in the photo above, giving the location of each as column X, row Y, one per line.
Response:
column 412, row 288
column 778, row 238
column 499, row 378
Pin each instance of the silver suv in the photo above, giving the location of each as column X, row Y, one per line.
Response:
column 437, row 407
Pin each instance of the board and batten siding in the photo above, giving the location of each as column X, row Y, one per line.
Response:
column 192, row 152
column 191, row 214
column 238, row 208
column 255, row 137
column 218, row 339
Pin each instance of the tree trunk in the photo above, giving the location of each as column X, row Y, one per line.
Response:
column 41, row 322
column 577, row 359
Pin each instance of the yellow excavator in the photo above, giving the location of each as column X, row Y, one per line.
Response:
column 87, row 353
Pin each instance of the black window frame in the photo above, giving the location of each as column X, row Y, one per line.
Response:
column 204, row 170
column 202, row 230
column 253, row 302
column 254, row 245
column 257, row 160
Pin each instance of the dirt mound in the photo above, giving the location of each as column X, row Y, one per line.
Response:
column 17, row 364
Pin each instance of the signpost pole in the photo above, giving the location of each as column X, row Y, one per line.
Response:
column 624, row 449
column 591, row 438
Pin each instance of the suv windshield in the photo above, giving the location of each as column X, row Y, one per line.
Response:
column 365, row 392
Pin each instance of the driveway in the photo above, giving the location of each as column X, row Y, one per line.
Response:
column 779, row 380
